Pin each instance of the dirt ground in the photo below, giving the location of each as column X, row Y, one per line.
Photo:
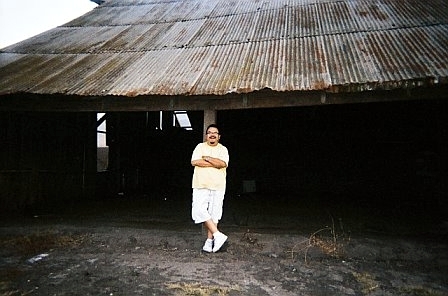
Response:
column 136, row 247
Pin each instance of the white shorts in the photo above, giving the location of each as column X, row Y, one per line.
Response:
column 207, row 204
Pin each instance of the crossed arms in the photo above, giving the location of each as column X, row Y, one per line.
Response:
column 209, row 162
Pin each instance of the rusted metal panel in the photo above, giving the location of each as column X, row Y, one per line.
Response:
column 195, row 47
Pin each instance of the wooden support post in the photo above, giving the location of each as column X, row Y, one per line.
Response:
column 209, row 118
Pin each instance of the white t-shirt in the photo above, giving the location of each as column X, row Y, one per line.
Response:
column 210, row 178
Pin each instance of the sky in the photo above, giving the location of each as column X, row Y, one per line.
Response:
column 22, row 19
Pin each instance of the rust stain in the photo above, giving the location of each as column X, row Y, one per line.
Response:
column 170, row 48
column 319, row 85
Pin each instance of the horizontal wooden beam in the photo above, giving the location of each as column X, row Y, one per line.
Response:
column 258, row 99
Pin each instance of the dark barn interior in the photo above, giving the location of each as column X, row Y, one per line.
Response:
column 328, row 108
column 382, row 159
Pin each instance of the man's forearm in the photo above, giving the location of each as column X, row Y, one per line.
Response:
column 201, row 163
column 215, row 162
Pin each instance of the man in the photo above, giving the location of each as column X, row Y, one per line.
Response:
column 210, row 160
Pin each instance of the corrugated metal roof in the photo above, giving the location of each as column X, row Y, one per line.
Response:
column 197, row 47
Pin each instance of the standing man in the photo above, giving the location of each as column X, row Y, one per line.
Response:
column 210, row 160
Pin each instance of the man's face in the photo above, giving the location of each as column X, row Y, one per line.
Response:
column 212, row 136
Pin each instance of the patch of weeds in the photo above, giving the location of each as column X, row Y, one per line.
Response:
column 197, row 289
column 326, row 239
column 367, row 281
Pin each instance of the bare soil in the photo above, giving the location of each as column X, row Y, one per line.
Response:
column 136, row 247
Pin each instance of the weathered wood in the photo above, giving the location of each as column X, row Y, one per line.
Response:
column 259, row 99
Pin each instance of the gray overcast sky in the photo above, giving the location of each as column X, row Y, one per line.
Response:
column 22, row 19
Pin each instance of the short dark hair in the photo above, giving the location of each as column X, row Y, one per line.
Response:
column 212, row 125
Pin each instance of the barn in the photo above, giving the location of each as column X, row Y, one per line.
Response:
column 319, row 101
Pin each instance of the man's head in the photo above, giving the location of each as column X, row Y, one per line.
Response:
column 212, row 135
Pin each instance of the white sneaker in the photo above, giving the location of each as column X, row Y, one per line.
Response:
column 220, row 239
column 208, row 246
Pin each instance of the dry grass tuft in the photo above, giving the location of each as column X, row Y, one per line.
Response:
column 197, row 289
column 367, row 281
column 326, row 239
column 38, row 242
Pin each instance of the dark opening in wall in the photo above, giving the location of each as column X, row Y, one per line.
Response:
column 387, row 156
